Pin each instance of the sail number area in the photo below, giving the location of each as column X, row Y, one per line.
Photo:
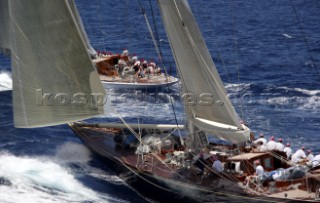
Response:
column 64, row 99
column 203, row 99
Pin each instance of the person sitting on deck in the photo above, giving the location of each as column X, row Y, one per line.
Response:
column 201, row 160
column 261, row 139
column 140, row 72
column 279, row 145
column 217, row 165
column 310, row 156
column 316, row 161
column 151, row 68
column 299, row 155
column 271, row 145
column 125, row 53
column 121, row 66
column 133, row 60
column 144, row 64
column 288, row 150
column 136, row 66
column 260, row 147
column 257, row 177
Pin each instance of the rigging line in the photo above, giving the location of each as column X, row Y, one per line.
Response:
column 107, row 154
column 138, row 136
column 166, row 73
column 183, row 81
column 154, row 42
column 207, row 71
column 155, row 27
column 161, row 62
column 234, row 25
column 128, row 27
column 100, row 22
column 215, row 42
column 305, row 39
column 193, row 44
column 150, row 30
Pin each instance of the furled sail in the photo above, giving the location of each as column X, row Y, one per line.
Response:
column 54, row 80
column 4, row 26
column 205, row 98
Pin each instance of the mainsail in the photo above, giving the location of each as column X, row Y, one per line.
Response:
column 54, row 80
column 210, row 109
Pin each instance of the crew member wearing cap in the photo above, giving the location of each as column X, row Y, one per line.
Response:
column 288, row 150
column 316, row 161
column 255, row 179
column 259, row 168
column 298, row 155
column 279, row 145
column 310, row 156
column 261, row 139
column 271, row 145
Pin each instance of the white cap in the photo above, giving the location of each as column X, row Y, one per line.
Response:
column 135, row 58
column 125, row 52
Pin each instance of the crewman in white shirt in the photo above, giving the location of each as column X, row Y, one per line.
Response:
column 310, row 156
column 279, row 145
column 288, row 150
column 298, row 155
column 271, row 145
column 261, row 139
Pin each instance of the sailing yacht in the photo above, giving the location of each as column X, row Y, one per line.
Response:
column 54, row 82
column 118, row 72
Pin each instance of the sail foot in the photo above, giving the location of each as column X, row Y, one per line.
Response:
column 223, row 131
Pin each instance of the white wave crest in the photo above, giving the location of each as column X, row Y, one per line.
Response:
column 312, row 103
column 302, row 103
column 5, row 81
column 39, row 179
column 286, row 35
column 237, row 87
column 304, row 91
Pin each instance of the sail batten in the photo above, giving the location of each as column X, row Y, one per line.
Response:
column 54, row 80
column 200, row 79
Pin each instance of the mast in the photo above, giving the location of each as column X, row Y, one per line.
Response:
column 206, row 103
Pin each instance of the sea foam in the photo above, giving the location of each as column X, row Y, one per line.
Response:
column 5, row 81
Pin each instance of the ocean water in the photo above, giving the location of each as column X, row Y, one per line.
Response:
column 268, row 55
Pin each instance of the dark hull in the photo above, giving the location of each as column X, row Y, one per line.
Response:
column 161, row 189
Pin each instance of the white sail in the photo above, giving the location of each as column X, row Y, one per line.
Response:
column 4, row 26
column 77, row 17
column 206, row 101
column 54, row 80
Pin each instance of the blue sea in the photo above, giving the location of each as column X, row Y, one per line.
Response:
column 267, row 53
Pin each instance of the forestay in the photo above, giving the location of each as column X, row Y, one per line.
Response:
column 212, row 111
column 54, row 80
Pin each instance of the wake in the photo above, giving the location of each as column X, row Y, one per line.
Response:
column 47, row 179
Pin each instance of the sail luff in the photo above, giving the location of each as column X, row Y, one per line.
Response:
column 54, row 80
column 83, row 33
column 200, row 79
